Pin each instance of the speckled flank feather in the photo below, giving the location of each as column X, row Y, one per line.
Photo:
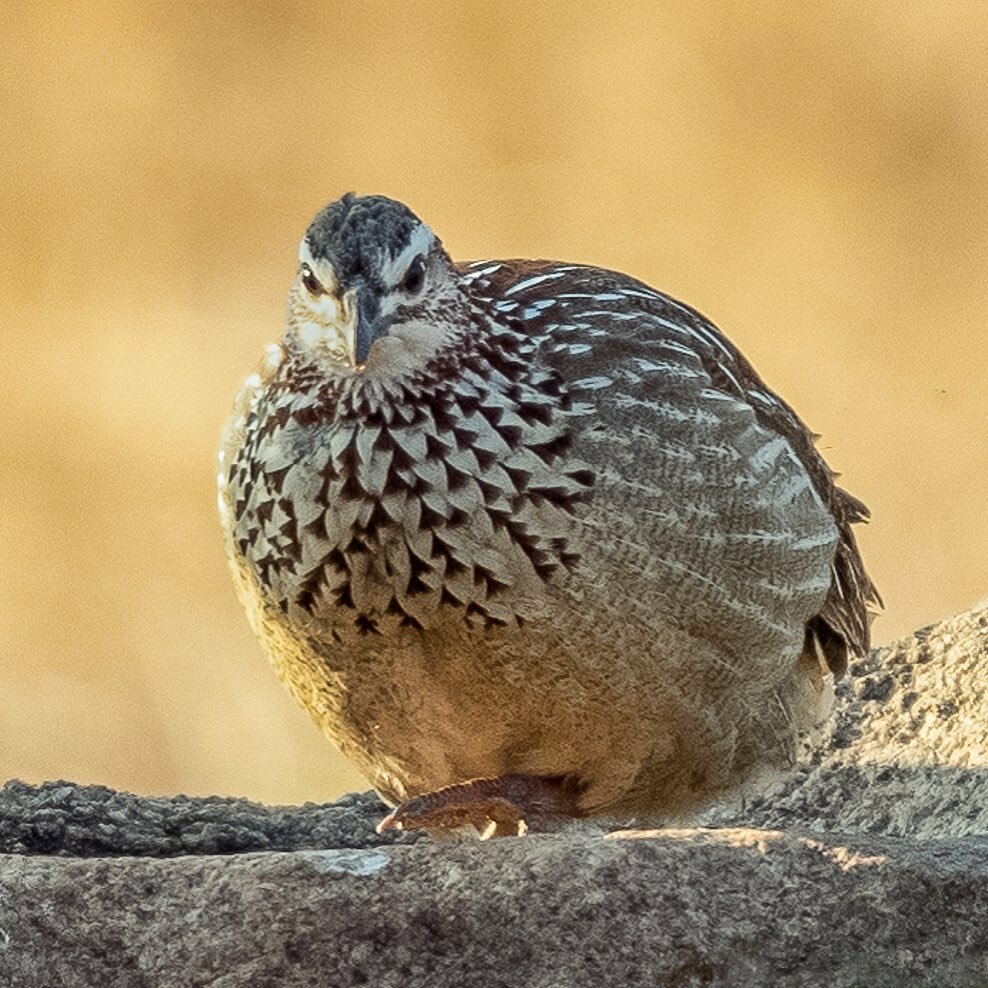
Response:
column 557, row 526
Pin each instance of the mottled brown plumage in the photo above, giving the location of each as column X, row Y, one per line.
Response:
column 523, row 520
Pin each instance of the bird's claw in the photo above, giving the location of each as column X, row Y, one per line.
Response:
column 506, row 806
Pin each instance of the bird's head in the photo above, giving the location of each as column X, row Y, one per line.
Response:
column 375, row 289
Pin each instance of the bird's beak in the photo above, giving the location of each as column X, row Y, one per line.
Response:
column 354, row 316
column 348, row 319
column 363, row 302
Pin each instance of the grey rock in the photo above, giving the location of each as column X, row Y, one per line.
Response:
column 867, row 866
column 60, row 818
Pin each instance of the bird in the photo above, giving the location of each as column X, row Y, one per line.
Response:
column 532, row 541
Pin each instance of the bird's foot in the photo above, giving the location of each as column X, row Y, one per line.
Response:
column 506, row 806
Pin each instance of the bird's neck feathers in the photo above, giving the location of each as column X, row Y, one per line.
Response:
column 416, row 363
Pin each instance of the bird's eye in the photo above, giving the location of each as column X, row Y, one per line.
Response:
column 312, row 284
column 414, row 277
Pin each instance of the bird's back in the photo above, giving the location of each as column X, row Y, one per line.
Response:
column 677, row 417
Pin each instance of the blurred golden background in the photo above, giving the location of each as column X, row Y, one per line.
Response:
column 813, row 176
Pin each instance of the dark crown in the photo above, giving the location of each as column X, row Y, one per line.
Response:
column 352, row 231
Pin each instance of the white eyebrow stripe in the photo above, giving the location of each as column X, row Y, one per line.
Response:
column 393, row 269
column 322, row 268
column 305, row 253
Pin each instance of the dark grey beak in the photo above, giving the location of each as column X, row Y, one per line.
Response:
column 369, row 324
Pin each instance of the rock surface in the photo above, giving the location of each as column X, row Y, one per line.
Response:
column 867, row 866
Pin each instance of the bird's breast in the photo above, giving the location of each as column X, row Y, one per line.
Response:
column 459, row 505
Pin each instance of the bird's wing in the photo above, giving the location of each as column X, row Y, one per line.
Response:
column 584, row 316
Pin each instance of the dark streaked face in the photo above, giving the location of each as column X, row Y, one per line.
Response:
column 372, row 276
